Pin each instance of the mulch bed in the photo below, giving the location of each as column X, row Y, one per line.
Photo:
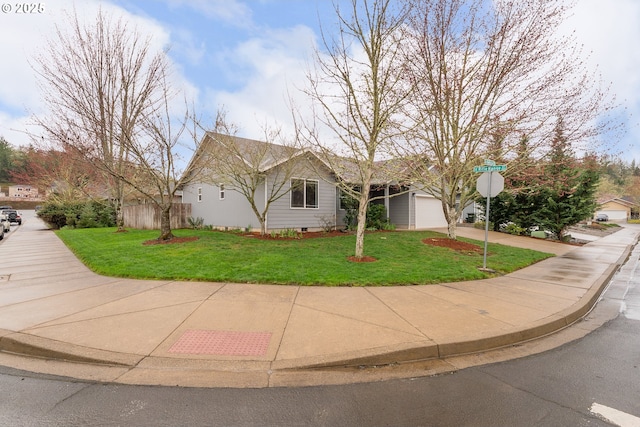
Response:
column 456, row 245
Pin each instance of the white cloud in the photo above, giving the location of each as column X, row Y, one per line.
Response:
column 275, row 68
column 609, row 31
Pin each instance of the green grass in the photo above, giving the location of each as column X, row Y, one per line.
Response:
column 402, row 258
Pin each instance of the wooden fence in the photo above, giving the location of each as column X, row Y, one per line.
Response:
column 147, row 217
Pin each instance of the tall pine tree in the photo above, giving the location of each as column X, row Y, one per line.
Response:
column 568, row 194
column 553, row 195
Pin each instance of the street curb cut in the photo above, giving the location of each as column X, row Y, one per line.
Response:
column 34, row 346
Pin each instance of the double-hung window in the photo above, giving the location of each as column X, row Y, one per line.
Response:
column 221, row 192
column 304, row 193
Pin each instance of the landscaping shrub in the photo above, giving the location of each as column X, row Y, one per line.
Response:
column 376, row 216
column 78, row 215
column 53, row 214
column 513, row 228
column 196, row 223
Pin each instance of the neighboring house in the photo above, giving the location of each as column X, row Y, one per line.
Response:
column 618, row 209
column 23, row 192
column 312, row 200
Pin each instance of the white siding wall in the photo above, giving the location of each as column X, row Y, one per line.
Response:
column 232, row 212
column 235, row 211
column 283, row 216
column 399, row 213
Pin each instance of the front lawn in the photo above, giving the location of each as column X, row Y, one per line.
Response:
column 402, row 258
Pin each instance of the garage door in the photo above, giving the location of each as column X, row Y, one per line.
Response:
column 614, row 215
column 429, row 213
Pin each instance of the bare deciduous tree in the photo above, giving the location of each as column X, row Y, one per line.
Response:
column 155, row 150
column 490, row 76
column 358, row 88
column 98, row 81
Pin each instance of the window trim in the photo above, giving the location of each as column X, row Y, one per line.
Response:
column 305, row 181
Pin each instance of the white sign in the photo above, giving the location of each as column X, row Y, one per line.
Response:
column 490, row 180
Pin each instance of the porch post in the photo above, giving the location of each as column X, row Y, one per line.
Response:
column 386, row 200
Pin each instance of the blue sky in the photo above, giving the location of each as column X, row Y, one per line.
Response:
column 248, row 56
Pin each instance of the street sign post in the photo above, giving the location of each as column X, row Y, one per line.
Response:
column 489, row 185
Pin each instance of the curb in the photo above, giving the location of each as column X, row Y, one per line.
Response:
column 33, row 346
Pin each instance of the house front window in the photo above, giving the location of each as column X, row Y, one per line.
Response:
column 347, row 201
column 304, row 193
column 221, row 191
column 199, row 194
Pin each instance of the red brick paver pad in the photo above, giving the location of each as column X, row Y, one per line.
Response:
column 223, row 343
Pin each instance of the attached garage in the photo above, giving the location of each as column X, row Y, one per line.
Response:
column 616, row 209
column 429, row 212
column 613, row 214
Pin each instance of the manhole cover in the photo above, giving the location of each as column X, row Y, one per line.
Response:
column 223, row 343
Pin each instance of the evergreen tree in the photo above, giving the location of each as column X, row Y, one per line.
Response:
column 6, row 155
column 553, row 195
column 568, row 195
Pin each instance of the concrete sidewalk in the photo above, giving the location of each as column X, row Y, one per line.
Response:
column 70, row 321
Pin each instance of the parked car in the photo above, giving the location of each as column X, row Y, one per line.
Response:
column 601, row 217
column 12, row 215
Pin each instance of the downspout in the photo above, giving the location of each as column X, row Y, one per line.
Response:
column 412, row 199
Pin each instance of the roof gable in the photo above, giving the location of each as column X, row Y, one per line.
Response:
column 618, row 200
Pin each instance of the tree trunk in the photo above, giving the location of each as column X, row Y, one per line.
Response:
column 165, row 223
column 452, row 221
column 263, row 225
column 119, row 216
column 119, row 206
column 451, row 228
column 362, row 222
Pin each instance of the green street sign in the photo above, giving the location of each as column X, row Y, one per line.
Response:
column 495, row 168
